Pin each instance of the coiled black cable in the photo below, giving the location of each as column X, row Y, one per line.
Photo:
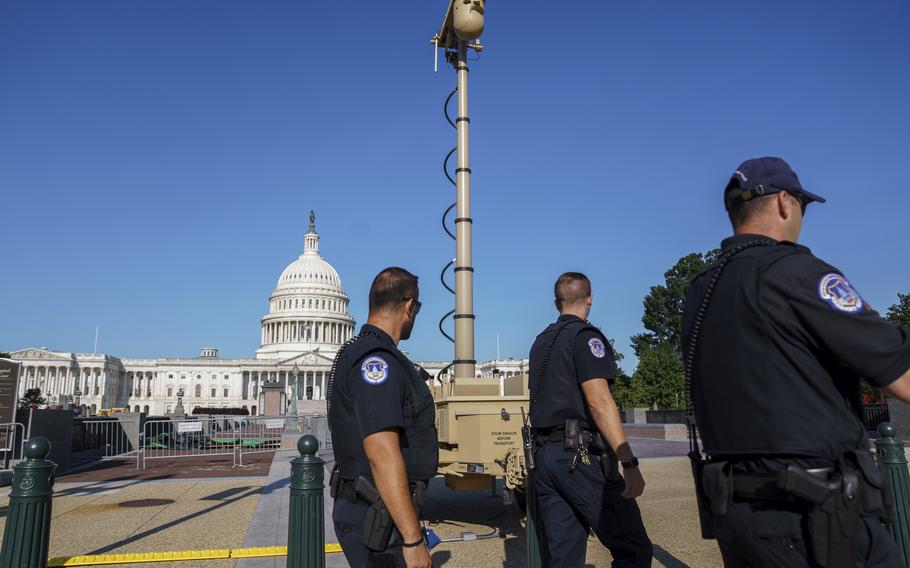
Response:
column 445, row 227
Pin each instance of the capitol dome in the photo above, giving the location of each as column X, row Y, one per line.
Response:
column 308, row 310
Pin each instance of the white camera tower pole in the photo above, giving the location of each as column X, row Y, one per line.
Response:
column 461, row 28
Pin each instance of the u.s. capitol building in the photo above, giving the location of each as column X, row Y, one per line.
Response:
column 306, row 324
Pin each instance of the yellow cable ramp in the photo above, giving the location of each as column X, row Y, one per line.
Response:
column 176, row 556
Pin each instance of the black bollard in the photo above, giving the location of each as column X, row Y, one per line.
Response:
column 28, row 522
column 306, row 531
column 893, row 463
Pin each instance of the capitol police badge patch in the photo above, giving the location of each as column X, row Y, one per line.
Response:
column 834, row 289
column 597, row 347
column 374, row 370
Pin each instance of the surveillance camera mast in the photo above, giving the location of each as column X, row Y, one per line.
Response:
column 478, row 438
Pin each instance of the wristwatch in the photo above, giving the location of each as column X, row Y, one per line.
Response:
column 414, row 544
column 633, row 462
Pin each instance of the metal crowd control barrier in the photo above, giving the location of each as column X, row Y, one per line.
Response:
column 105, row 439
column 230, row 435
column 190, row 437
column 12, row 440
column 270, row 433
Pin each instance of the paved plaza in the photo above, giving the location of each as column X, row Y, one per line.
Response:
column 187, row 505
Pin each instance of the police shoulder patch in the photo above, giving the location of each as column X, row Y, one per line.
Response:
column 834, row 289
column 374, row 370
column 597, row 347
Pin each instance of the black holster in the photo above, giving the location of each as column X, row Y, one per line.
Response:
column 377, row 523
column 833, row 512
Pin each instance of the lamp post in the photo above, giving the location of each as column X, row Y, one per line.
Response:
column 294, row 390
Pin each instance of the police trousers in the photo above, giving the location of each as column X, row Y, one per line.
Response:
column 759, row 534
column 348, row 518
column 572, row 504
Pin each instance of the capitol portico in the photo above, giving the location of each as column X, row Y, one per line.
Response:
column 306, row 324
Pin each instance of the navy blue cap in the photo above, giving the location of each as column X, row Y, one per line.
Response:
column 764, row 176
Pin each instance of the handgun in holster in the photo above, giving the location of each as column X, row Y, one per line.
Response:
column 377, row 524
column 834, row 510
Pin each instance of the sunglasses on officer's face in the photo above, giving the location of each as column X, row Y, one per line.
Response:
column 800, row 198
column 803, row 202
column 418, row 302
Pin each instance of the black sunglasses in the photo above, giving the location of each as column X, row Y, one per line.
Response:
column 418, row 302
column 803, row 201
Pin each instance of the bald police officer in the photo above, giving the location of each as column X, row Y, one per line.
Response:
column 383, row 433
column 775, row 342
column 580, row 439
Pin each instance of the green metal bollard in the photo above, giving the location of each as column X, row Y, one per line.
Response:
column 28, row 522
column 306, row 531
column 893, row 462
column 538, row 556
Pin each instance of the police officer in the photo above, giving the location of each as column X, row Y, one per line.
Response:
column 383, row 432
column 776, row 341
column 580, row 438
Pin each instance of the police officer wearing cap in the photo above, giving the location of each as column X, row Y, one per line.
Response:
column 383, row 432
column 775, row 343
column 580, row 439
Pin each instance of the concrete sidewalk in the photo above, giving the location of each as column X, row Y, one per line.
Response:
column 269, row 525
column 193, row 514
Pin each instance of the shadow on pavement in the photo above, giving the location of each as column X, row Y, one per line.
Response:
column 668, row 559
column 139, row 536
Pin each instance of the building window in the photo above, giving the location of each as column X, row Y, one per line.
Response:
column 226, row 377
column 170, row 392
column 198, row 391
column 225, row 392
column 213, row 392
column 167, row 409
column 170, row 376
column 182, row 376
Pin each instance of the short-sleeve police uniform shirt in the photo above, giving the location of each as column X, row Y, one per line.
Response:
column 593, row 357
column 577, row 356
column 784, row 343
column 377, row 389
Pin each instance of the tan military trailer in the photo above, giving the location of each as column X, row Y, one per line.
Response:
column 480, row 432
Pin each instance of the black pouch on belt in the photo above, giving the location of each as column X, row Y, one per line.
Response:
column 875, row 495
column 334, row 482
column 705, row 519
column 572, row 433
column 717, row 484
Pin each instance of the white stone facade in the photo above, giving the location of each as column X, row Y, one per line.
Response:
column 307, row 322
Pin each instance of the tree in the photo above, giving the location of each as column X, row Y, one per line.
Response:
column 664, row 303
column 4, row 355
column 659, row 378
column 32, row 396
column 899, row 313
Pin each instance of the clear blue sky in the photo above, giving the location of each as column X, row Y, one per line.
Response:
column 158, row 158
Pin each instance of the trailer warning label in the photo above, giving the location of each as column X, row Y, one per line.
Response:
column 503, row 438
